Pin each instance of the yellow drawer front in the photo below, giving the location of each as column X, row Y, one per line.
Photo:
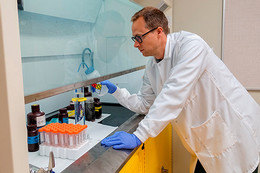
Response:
column 136, row 163
column 158, row 152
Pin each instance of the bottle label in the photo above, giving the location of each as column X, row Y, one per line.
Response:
column 65, row 120
column 98, row 108
column 71, row 113
column 40, row 121
column 33, row 139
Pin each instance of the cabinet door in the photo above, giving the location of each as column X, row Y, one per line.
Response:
column 135, row 163
column 158, row 152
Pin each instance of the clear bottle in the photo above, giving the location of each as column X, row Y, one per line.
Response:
column 36, row 116
column 79, row 93
column 98, row 108
column 100, row 89
column 79, row 105
column 89, row 107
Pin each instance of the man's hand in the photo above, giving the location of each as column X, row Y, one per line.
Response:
column 121, row 140
column 110, row 86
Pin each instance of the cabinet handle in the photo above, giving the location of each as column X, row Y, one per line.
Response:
column 163, row 170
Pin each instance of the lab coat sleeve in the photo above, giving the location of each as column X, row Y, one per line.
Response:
column 139, row 103
column 191, row 60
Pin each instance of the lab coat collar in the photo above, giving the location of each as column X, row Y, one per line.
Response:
column 167, row 52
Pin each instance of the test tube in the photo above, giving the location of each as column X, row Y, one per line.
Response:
column 66, row 139
column 81, row 135
column 71, row 140
column 47, row 136
column 85, row 136
column 55, row 136
column 61, row 137
column 76, row 137
column 42, row 133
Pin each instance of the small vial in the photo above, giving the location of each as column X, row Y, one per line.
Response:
column 76, row 135
column 47, row 136
column 42, row 135
column 71, row 140
column 62, row 137
column 81, row 135
column 85, row 135
column 66, row 139
column 55, row 137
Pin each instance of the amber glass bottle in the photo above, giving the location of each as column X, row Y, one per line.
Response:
column 33, row 138
column 63, row 116
column 89, row 106
column 36, row 116
column 98, row 108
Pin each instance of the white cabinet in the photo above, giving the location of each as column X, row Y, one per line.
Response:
column 82, row 10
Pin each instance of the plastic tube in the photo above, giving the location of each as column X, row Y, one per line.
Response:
column 71, row 140
column 42, row 135
column 55, row 137
column 64, row 135
column 47, row 136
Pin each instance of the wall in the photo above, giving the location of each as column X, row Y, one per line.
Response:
column 205, row 19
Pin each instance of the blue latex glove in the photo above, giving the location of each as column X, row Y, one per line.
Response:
column 110, row 86
column 121, row 140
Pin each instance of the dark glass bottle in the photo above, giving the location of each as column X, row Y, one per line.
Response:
column 89, row 106
column 63, row 116
column 36, row 116
column 33, row 138
column 87, row 93
column 98, row 107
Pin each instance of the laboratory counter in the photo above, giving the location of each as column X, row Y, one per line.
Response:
column 106, row 159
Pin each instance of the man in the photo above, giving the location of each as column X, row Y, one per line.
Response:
column 187, row 85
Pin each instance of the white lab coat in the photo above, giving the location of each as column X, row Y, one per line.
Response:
column 215, row 117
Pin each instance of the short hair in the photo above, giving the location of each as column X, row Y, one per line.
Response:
column 153, row 18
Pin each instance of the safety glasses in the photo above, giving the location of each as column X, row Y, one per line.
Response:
column 139, row 39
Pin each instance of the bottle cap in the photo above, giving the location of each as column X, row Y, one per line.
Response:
column 96, row 99
column 35, row 108
column 87, row 93
column 79, row 99
column 63, row 110
column 85, row 89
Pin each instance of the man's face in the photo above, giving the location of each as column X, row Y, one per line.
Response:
column 149, row 41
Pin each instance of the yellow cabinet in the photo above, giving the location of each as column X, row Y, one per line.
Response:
column 154, row 156
column 135, row 163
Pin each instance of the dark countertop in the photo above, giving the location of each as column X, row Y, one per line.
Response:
column 119, row 114
column 102, row 159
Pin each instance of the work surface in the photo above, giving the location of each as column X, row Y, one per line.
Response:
column 96, row 132
column 106, row 159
